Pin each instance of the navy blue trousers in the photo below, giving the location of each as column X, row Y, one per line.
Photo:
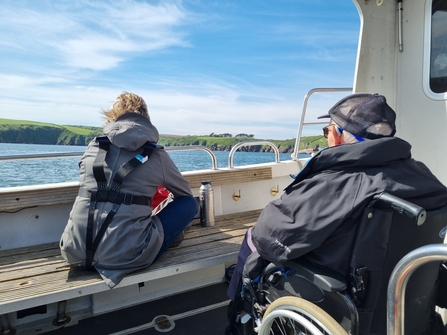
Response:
column 175, row 217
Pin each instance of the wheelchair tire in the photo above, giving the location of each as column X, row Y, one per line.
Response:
column 293, row 315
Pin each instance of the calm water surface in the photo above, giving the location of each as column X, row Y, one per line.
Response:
column 56, row 170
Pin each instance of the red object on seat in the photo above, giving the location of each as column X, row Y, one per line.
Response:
column 161, row 194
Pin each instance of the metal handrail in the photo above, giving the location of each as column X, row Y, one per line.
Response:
column 399, row 280
column 250, row 143
column 303, row 114
column 72, row 154
column 39, row 156
column 196, row 147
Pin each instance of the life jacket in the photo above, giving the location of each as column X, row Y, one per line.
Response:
column 110, row 191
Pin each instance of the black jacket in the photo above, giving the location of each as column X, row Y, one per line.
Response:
column 317, row 214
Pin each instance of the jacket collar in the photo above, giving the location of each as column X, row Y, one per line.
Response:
column 362, row 154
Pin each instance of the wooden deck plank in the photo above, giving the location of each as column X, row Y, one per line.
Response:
column 53, row 194
column 26, row 268
column 232, row 176
column 30, row 277
column 7, row 254
column 45, row 283
column 34, row 274
column 29, row 258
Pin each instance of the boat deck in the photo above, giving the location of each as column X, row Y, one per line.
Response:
column 33, row 276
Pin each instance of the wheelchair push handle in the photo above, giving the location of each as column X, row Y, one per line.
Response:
column 414, row 212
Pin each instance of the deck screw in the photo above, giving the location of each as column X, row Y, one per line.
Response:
column 163, row 323
column 237, row 195
column 274, row 190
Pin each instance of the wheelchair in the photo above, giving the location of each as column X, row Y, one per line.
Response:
column 397, row 243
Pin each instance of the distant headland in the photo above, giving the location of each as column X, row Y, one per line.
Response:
column 21, row 131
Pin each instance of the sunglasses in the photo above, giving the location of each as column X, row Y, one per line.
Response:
column 339, row 130
column 326, row 130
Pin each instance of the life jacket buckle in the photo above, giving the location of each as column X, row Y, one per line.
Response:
column 114, row 197
column 127, row 200
column 102, row 195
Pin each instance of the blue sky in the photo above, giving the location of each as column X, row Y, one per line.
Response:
column 202, row 66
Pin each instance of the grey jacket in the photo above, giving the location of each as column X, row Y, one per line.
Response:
column 316, row 216
column 134, row 237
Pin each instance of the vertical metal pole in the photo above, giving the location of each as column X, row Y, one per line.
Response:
column 399, row 27
column 5, row 326
column 61, row 317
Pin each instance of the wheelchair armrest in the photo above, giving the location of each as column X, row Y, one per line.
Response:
column 324, row 278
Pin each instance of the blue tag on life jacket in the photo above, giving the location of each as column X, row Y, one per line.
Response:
column 141, row 158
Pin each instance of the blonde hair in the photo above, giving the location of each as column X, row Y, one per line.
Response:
column 126, row 103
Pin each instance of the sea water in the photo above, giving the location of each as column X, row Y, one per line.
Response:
column 56, row 170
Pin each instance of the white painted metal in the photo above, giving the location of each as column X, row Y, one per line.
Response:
column 31, row 226
column 174, row 318
column 402, row 76
column 127, row 296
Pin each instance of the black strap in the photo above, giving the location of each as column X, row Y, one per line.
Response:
column 110, row 193
column 101, row 233
column 116, row 198
column 89, row 236
column 98, row 164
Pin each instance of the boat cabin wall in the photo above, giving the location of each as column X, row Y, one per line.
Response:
column 401, row 72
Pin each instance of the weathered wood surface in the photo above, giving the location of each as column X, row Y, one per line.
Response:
column 37, row 272
column 231, row 176
column 44, row 195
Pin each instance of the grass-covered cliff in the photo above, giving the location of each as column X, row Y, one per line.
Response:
column 226, row 143
column 20, row 131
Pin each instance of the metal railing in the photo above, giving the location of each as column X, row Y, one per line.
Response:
column 196, row 147
column 210, row 152
column 72, row 154
column 399, row 280
column 303, row 115
column 173, row 148
column 251, row 143
column 40, row 156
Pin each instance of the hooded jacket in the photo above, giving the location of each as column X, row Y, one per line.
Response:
column 133, row 238
column 316, row 216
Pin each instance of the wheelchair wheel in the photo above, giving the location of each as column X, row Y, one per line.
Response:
column 293, row 315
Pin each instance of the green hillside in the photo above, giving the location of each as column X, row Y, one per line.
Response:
column 22, row 131
column 226, row 143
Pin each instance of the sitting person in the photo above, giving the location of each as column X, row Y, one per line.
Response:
column 111, row 227
column 315, row 218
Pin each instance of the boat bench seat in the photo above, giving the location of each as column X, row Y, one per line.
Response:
column 36, row 276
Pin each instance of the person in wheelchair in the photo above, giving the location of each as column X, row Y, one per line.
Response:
column 316, row 217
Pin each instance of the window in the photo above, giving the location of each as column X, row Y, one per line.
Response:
column 438, row 49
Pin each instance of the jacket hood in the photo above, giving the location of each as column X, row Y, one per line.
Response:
column 131, row 131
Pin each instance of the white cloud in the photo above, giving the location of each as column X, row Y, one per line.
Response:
column 93, row 36
column 217, row 109
column 64, row 61
column 8, row 81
